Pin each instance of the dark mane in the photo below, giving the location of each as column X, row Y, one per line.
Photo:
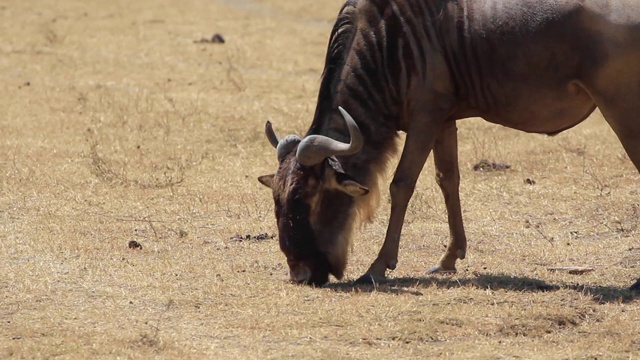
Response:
column 340, row 41
column 357, row 94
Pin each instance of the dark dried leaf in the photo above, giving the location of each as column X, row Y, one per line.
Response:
column 135, row 245
column 486, row 165
column 248, row 237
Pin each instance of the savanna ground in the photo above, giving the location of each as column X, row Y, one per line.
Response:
column 117, row 125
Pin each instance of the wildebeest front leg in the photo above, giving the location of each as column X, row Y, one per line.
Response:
column 445, row 153
column 418, row 145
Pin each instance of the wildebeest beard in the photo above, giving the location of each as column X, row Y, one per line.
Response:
column 315, row 227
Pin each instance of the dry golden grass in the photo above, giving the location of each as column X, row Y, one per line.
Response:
column 115, row 126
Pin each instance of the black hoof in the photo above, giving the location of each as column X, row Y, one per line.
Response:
column 636, row 286
column 369, row 279
column 438, row 270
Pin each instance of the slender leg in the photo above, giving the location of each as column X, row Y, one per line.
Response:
column 620, row 106
column 418, row 145
column 628, row 131
column 627, row 128
column 445, row 152
column 625, row 121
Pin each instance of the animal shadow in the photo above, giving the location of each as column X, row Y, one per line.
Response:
column 416, row 285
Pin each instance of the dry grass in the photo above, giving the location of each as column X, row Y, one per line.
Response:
column 115, row 126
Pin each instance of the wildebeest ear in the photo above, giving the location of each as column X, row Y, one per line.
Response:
column 349, row 186
column 267, row 180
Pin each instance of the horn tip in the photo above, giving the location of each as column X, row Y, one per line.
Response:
column 344, row 112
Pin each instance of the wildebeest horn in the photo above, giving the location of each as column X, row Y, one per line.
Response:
column 283, row 146
column 315, row 148
column 286, row 145
column 271, row 135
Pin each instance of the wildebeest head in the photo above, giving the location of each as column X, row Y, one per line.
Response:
column 314, row 202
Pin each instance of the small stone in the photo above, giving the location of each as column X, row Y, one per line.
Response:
column 217, row 39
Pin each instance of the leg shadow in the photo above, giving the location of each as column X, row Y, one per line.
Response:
column 416, row 285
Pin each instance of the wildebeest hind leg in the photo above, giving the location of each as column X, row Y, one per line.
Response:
column 622, row 112
column 445, row 152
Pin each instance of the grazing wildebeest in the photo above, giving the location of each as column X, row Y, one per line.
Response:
column 418, row 66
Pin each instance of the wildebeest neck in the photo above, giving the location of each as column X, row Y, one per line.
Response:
column 362, row 75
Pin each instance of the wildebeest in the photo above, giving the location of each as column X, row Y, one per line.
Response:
column 418, row 66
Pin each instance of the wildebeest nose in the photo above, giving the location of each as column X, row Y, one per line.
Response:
column 300, row 274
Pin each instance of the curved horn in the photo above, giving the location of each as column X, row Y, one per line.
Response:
column 286, row 145
column 271, row 135
column 315, row 148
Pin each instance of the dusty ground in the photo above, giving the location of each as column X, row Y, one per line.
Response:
column 117, row 125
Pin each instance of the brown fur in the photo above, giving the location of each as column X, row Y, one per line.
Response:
column 420, row 65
